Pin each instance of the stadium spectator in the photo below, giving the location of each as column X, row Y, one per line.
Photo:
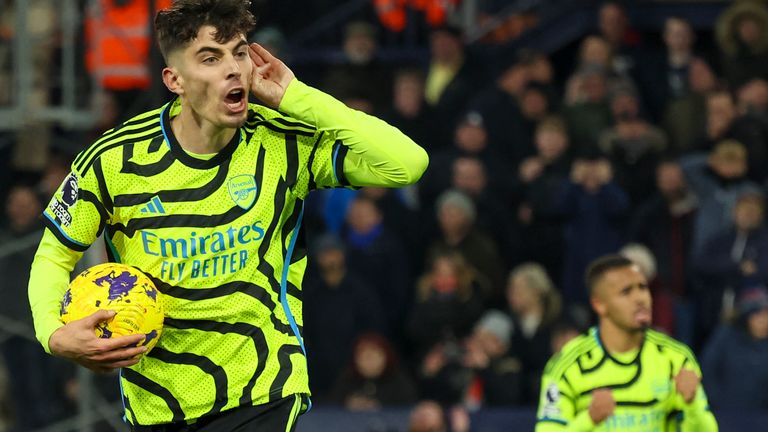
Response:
column 632, row 144
column 373, row 250
column 400, row 218
column 717, row 180
column 492, row 215
column 452, row 78
column 743, row 41
column 340, row 306
column 685, row 118
column 55, row 172
column 498, row 378
column 664, row 224
column 409, row 111
column 361, row 74
column 614, row 26
column 631, row 61
column 448, row 303
column 586, row 110
column 21, row 229
column 541, row 71
column 538, row 180
column 35, row 380
column 374, row 379
column 458, row 232
column 499, row 106
column 429, row 416
column 734, row 258
column 752, row 98
column 734, row 357
column 470, row 139
column 594, row 208
column 725, row 122
column 679, row 39
column 534, row 305
column 535, row 106
column 120, row 51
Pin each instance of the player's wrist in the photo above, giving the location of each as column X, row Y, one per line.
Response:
column 292, row 94
column 54, row 342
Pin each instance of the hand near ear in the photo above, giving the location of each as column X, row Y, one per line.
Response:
column 270, row 76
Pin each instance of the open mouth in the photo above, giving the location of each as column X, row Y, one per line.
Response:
column 235, row 100
column 235, row 96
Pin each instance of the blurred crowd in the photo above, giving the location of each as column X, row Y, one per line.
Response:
column 458, row 290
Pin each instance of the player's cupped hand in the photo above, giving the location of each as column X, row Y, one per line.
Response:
column 687, row 383
column 77, row 341
column 270, row 76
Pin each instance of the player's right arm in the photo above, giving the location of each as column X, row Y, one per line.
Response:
column 557, row 404
column 74, row 218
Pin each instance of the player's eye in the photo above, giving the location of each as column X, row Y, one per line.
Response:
column 210, row 60
column 241, row 54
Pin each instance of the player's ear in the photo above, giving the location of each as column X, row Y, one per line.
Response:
column 173, row 80
column 598, row 305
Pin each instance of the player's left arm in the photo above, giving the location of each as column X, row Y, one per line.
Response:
column 691, row 399
column 374, row 153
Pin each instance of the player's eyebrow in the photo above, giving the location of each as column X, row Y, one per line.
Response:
column 218, row 51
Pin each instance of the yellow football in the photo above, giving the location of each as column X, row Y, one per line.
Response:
column 121, row 288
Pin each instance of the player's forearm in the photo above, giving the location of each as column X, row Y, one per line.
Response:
column 48, row 282
column 379, row 154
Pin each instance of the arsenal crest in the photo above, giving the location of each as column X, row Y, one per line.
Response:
column 242, row 190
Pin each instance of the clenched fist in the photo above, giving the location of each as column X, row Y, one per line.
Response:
column 602, row 406
column 686, row 383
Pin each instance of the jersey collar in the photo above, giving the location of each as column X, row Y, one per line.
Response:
column 183, row 156
column 595, row 331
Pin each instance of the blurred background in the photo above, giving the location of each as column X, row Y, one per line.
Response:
column 557, row 130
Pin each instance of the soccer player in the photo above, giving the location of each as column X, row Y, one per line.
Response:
column 622, row 376
column 205, row 195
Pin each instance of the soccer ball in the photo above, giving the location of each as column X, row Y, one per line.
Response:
column 121, row 288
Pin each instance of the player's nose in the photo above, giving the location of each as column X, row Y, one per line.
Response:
column 233, row 68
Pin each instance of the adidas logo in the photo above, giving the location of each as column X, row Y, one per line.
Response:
column 154, row 206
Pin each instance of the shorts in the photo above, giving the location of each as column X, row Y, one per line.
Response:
column 280, row 415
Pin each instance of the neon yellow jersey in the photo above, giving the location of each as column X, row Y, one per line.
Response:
column 218, row 236
column 642, row 383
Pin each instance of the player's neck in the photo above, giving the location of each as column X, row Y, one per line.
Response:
column 196, row 135
column 618, row 340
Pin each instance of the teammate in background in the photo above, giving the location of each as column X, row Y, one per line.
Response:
column 622, row 376
column 205, row 195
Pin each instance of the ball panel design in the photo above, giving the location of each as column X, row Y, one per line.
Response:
column 121, row 288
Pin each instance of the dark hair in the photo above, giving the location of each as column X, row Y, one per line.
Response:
column 372, row 338
column 601, row 266
column 179, row 24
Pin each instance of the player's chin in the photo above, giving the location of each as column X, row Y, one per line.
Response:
column 234, row 121
column 642, row 324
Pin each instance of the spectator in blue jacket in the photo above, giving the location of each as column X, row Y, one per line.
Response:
column 734, row 361
column 717, row 179
column 734, row 258
column 595, row 209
